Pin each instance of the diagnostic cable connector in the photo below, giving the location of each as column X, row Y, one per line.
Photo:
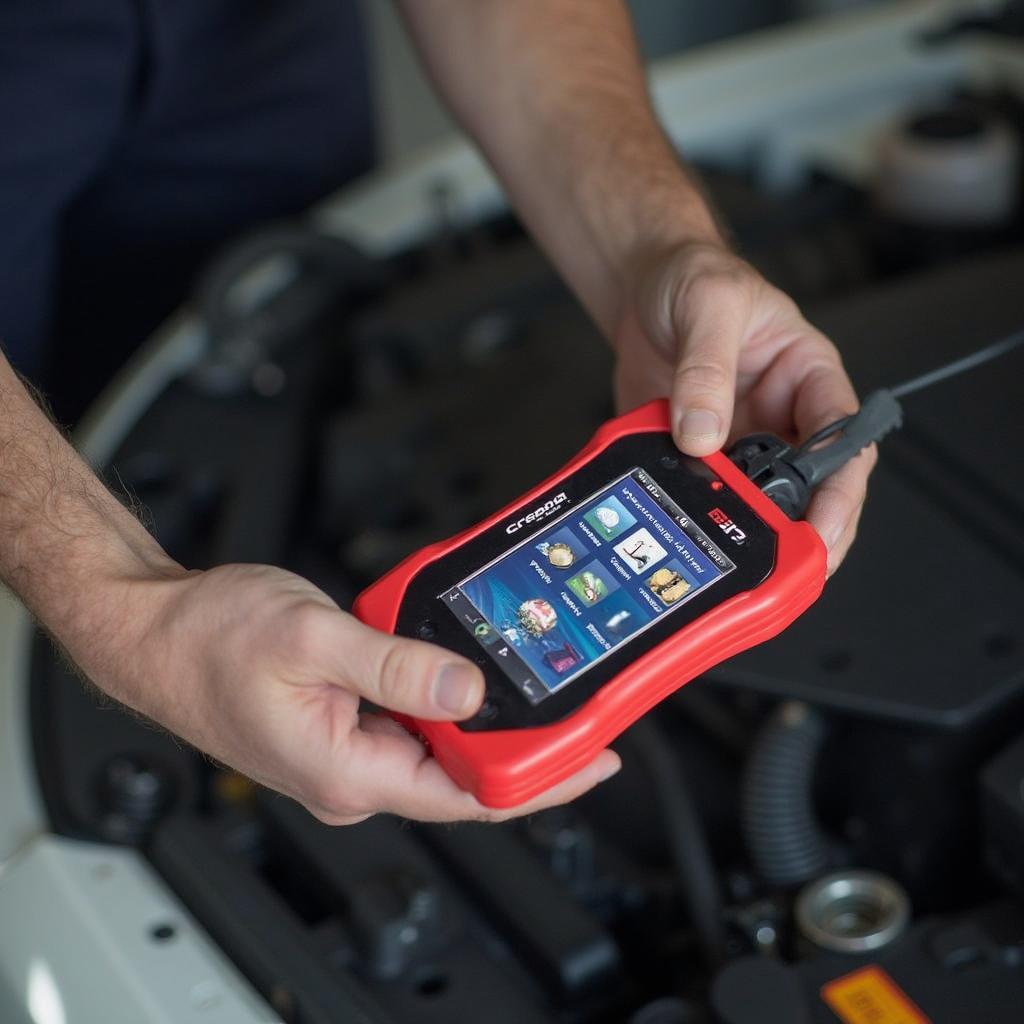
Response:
column 789, row 474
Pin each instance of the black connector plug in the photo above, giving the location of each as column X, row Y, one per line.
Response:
column 788, row 475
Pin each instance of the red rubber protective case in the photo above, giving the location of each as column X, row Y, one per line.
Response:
column 505, row 768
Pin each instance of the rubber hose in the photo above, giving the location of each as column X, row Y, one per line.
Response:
column 783, row 836
column 298, row 241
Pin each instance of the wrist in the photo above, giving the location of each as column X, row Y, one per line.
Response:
column 108, row 612
column 667, row 217
column 125, row 645
column 656, row 278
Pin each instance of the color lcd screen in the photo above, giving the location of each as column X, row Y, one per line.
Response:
column 596, row 577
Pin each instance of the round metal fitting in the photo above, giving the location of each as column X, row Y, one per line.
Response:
column 852, row 911
column 949, row 168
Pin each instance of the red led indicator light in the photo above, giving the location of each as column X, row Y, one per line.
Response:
column 716, row 485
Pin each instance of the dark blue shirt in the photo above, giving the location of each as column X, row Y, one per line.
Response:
column 136, row 137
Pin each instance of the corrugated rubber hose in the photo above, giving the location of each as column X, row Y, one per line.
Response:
column 780, row 826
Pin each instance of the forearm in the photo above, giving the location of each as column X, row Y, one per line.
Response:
column 73, row 554
column 554, row 93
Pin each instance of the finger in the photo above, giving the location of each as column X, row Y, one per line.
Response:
column 837, row 502
column 601, row 769
column 838, row 554
column 396, row 774
column 409, row 676
column 823, row 393
column 704, row 379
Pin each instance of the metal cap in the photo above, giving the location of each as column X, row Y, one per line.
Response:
column 852, row 911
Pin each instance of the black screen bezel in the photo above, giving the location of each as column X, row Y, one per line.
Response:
column 687, row 481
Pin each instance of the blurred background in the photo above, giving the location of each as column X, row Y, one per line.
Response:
column 408, row 114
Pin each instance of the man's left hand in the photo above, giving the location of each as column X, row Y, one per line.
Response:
column 735, row 356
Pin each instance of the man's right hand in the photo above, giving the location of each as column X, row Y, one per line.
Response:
column 260, row 669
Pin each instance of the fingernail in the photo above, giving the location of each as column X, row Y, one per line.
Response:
column 608, row 772
column 456, row 689
column 700, row 424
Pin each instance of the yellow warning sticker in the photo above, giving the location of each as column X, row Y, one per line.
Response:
column 870, row 996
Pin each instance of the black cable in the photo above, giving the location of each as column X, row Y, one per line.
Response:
column 789, row 475
column 924, row 380
column 714, row 719
column 833, row 428
column 688, row 845
column 968, row 362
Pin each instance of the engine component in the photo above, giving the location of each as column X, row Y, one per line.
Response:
column 134, row 793
column 266, row 290
column 957, row 166
column 759, row 990
column 852, row 911
column 785, row 840
column 568, row 949
column 946, row 970
column 1002, row 806
column 691, row 855
column 669, row 1011
column 362, row 923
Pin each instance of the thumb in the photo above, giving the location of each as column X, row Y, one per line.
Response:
column 409, row 676
column 704, row 380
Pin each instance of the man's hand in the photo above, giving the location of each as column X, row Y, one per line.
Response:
column 253, row 665
column 260, row 669
column 554, row 93
column 735, row 356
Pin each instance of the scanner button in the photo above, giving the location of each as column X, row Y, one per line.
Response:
column 488, row 710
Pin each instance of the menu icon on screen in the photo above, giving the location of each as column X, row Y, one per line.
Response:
column 640, row 550
column 610, row 518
